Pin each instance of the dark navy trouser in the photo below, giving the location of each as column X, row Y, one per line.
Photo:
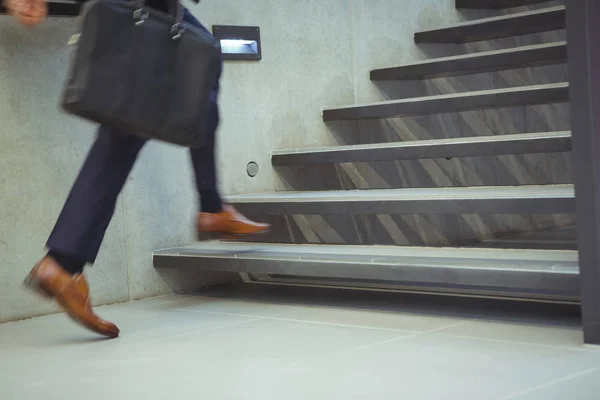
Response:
column 90, row 206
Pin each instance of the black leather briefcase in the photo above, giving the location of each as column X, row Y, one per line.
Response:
column 143, row 71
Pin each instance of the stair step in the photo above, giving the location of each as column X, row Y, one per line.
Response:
column 489, row 61
column 543, row 20
column 526, row 143
column 545, row 199
column 457, row 102
column 495, row 4
column 531, row 273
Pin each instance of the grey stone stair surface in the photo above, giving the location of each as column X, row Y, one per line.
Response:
column 456, row 102
column 525, row 143
column 531, row 273
column 488, row 61
column 543, row 20
column 544, row 199
column 564, row 238
column 495, row 4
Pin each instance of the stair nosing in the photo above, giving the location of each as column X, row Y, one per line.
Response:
column 475, row 93
column 515, row 24
column 496, row 7
column 479, row 251
column 500, row 18
column 472, row 56
column 426, row 142
column 562, row 191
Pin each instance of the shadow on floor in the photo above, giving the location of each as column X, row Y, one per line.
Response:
column 522, row 312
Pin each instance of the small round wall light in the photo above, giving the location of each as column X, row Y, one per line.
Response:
column 252, row 169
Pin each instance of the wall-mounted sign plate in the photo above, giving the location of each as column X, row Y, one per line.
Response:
column 238, row 42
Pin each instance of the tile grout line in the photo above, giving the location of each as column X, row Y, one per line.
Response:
column 252, row 319
column 209, row 330
column 523, row 343
column 256, row 318
column 549, row 384
column 300, row 321
column 377, row 344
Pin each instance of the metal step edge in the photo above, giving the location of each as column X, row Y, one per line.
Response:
column 553, row 272
column 544, row 199
column 455, row 102
column 526, row 143
column 495, row 4
column 543, row 20
column 489, row 61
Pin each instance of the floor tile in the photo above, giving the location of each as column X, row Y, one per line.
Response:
column 271, row 347
column 519, row 333
column 438, row 367
column 281, row 343
column 374, row 319
column 236, row 307
column 584, row 385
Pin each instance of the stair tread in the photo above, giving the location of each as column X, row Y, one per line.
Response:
column 495, row 4
column 459, row 95
column 545, row 199
column 546, row 274
column 432, row 148
column 453, row 102
column 518, row 57
column 551, row 260
column 422, row 194
column 542, row 20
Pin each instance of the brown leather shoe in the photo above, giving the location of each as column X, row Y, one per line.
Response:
column 230, row 222
column 71, row 292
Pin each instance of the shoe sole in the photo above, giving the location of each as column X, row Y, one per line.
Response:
column 34, row 284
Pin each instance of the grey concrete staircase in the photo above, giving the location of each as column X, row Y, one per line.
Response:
column 497, row 267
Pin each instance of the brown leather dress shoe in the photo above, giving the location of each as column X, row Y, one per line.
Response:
column 71, row 292
column 230, row 222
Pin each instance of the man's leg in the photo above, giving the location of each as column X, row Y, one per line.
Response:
column 203, row 159
column 215, row 217
column 81, row 226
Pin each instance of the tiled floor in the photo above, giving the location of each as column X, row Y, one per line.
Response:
column 259, row 343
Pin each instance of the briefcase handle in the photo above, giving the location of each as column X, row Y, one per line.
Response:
column 175, row 11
